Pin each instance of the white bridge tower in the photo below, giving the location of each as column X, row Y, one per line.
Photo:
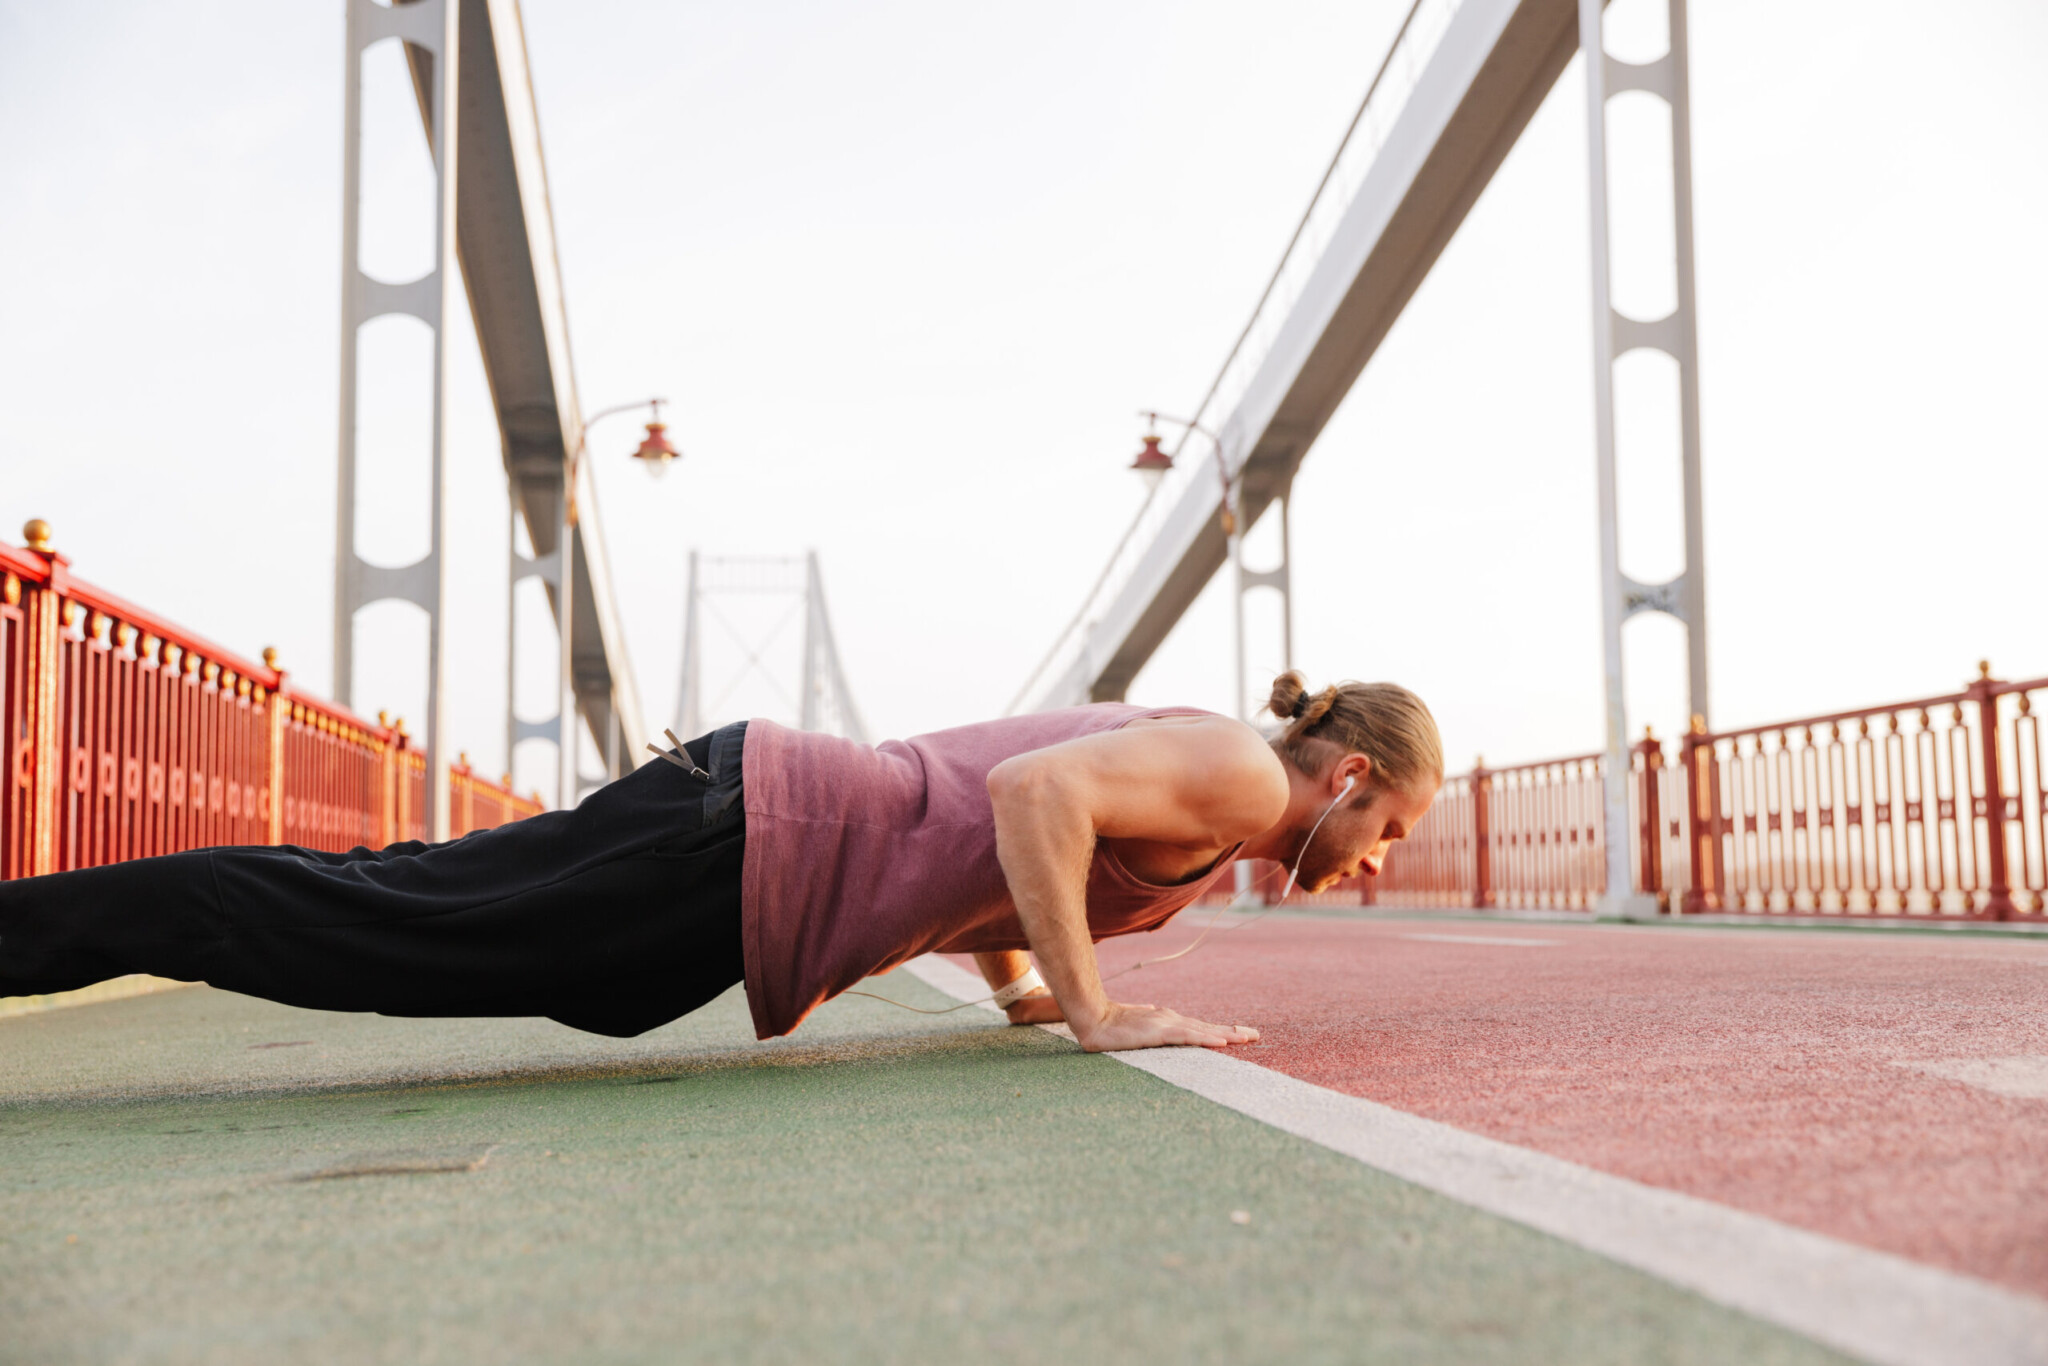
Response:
column 786, row 586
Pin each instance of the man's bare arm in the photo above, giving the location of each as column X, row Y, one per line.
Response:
column 1199, row 786
column 1045, row 840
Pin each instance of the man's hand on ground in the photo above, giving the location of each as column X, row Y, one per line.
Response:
column 1036, row 1009
column 1127, row 1026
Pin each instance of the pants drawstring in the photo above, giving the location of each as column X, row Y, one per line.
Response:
column 677, row 756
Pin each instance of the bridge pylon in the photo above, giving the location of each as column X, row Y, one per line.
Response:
column 822, row 700
column 493, row 238
column 1614, row 334
column 428, row 28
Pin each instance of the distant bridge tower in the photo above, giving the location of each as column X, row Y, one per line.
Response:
column 743, row 652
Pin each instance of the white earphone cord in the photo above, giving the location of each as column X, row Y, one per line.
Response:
column 1214, row 921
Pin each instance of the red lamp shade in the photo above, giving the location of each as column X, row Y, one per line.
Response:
column 656, row 450
column 1152, row 462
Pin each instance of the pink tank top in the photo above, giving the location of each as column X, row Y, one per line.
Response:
column 859, row 859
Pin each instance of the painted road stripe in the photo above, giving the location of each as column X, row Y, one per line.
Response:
column 1870, row 1304
column 2025, row 1077
column 1485, row 939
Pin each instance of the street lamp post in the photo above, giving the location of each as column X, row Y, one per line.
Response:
column 654, row 449
column 556, row 569
column 1152, row 464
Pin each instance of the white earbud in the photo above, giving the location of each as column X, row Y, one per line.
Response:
column 1349, row 783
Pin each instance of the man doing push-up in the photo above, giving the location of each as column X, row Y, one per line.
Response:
column 794, row 862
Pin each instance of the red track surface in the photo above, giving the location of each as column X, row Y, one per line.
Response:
column 1753, row 1068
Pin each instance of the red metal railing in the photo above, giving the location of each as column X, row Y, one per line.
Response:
column 336, row 779
column 126, row 736
column 17, row 705
column 1934, row 808
column 478, row 803
column 1526, row 836
column 1928, row 808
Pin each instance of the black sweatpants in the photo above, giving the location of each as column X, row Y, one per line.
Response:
column 615, row 917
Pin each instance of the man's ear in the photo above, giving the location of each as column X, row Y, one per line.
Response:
column 1357, row 767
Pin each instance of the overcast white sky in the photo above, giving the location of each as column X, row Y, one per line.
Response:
column 908, row 269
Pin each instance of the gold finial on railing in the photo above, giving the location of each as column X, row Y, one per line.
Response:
column 462, row 757
column 1984, row 670
column 1699, row 724
column 1649, row 733
column 37, row 534
column 270, row 658
column 505, row 781
column 10, row 590
column 384, row 719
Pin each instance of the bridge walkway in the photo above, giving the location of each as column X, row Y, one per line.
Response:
column 195, row 1175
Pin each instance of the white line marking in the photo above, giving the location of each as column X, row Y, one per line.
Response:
column 1485, row 939
column 1869, row 1304
column 2025, row 1077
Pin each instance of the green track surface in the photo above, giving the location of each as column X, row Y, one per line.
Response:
column 201, row 1177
